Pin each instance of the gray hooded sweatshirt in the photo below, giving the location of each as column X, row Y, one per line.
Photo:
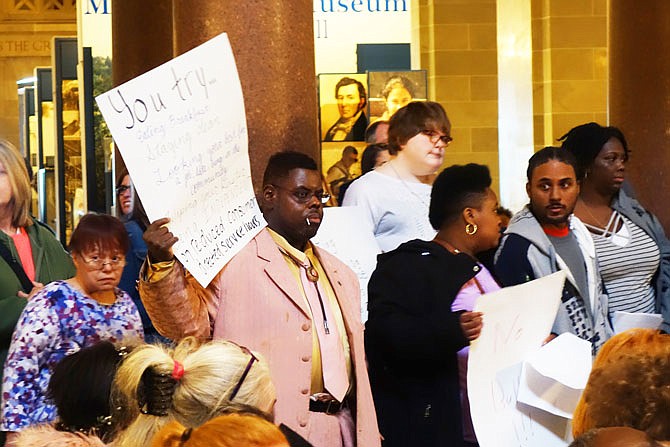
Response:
column 526, row 253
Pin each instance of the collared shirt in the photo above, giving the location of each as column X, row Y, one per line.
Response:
column 317, row 374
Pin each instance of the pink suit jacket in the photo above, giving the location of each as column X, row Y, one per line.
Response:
column 256, row 302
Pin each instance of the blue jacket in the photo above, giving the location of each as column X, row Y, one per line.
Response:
column 134, row 258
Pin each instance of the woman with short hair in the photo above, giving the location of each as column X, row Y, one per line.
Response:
column 632, row 249
column 231, row 430
column 396, row 195
column 66, row 316
column 628, row 386
column 421, row 298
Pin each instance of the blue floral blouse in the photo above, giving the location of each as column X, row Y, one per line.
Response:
column 56, row 322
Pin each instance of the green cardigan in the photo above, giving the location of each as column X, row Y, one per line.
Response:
column 52, row 263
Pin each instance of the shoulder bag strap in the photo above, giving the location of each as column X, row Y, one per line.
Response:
column 17, row 268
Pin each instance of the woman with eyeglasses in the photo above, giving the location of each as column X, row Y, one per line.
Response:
column 124, row 196
column 136, row 224
column 31, row 255
column 66, row 316
column 632, row 249
column 396, row 195
column 190, row 384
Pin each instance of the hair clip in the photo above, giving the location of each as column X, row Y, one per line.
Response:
column 155, row 394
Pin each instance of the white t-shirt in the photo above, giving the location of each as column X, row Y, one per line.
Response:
column 397, row 209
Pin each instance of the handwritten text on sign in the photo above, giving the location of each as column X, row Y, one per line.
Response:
column 516, row 322
column 340, row 234
column 182, row 132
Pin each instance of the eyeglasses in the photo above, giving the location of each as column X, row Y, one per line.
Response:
column 304, row 195
column 98, row 263
column 434, row 137
column 121, row 189
column 244, row 374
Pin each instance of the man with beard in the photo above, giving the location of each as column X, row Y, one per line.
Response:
column 546, row 237
column 351, row 100
column 282, row 296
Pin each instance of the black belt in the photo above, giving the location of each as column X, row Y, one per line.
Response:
column 328, row 406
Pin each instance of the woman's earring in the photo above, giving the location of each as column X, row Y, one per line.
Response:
column 470, row 229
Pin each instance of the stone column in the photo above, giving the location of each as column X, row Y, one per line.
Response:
column 639, row 96
column 142, row 40
column 142, row 33
column 273, row 44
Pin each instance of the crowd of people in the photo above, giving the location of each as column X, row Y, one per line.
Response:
column 113, row 342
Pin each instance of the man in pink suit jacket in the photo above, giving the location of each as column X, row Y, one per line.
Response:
column 257, row 301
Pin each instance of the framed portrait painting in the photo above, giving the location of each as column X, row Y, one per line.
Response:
column 388, row 91
column 342, row 106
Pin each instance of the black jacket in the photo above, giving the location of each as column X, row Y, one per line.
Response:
column 411, row 341
column 357, row 132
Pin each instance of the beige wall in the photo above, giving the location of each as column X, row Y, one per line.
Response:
column 569, row 66
column 25, row 43
column 459, row 50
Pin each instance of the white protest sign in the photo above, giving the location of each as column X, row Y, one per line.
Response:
column 516, row 322
column 340, row 233
column 549, row 382
column 623, row 321
column 182, row 132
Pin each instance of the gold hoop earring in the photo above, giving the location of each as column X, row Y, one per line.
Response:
column 470, row 229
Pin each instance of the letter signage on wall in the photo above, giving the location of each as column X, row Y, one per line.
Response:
column 339, row 25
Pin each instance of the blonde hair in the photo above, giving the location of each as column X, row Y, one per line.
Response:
column 211, row 372
column 17, row 174
column 231, row 430
column 635, row 346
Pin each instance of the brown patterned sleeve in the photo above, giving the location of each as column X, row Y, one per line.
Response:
column 178, row 305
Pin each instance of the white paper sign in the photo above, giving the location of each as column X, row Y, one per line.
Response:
column 622, row 321
column 516, row 322
column 181, row 129
column 340, row 233
column 551, row 383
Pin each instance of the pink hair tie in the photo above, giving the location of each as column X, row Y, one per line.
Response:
column 177, row 371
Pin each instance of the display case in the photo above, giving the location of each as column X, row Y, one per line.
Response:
column 69, row 176
column 45, row 150
column 28, row 135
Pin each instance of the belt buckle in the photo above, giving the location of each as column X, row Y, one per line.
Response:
column 329, row 404
column 333, row 404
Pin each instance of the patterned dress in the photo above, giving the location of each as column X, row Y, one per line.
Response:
column 56, row 322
